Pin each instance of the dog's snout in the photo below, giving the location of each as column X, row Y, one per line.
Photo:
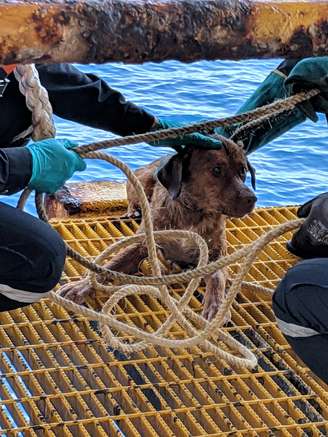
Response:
column 250, row 200
column 246, row 202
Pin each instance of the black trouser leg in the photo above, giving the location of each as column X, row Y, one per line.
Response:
column 300, row 304
column 32, row 255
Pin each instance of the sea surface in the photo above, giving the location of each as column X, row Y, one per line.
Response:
column 290, row 170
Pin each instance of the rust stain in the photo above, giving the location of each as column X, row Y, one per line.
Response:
column 290, row 29
column 49, row 24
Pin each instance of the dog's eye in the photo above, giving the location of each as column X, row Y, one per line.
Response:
column 242, row 173
column 217, row 171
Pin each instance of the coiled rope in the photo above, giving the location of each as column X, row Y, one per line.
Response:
column 199, row 331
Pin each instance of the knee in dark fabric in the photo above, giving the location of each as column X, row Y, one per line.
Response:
column 299, row 283
column 49, row 266
column 300, row 304
column 32, row 256
column 289, row 307
column 301, row 298
column 28, row 274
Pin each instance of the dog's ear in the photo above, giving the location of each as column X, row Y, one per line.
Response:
column 251, row 169
column 170, row 174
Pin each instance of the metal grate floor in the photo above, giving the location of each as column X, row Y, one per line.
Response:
column 59, row 379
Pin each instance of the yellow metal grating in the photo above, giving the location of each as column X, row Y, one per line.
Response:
column 59, row 379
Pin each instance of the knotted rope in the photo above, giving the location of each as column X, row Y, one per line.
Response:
column 199, row 331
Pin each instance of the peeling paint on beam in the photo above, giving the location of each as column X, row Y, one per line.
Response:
column 135, row 31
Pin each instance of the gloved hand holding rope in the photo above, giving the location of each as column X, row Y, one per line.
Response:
column 53, row 163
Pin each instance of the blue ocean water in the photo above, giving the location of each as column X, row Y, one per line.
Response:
column 290, row 170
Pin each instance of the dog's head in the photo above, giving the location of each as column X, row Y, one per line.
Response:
column 211, row 180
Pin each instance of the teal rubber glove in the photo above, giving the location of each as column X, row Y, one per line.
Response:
column 189, row 140
column 53, row 163
column 271, row 89
column 307, row 74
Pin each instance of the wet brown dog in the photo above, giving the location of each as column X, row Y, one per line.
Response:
column 195, row 190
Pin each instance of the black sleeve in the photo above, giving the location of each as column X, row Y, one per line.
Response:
column 15, row 169
column 287, row 65
column 86, row 99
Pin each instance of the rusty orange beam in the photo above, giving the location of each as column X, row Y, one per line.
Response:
column 135, row 31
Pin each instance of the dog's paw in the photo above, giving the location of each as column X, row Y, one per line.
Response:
column 211, row 307
column 214, row 296
column 76, row 291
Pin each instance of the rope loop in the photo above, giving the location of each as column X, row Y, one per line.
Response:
column 198, row 330
column 119, row 285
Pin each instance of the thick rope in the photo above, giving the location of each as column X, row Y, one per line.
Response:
column 279, row 106
column 109, row 322
column 199, row 331
column 37, row 101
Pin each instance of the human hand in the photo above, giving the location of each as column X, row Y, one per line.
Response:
column 53, row 163
column 311, row 240
column 192, row 140
column 307, row 74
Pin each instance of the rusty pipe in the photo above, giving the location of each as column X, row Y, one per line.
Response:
column 135, row 31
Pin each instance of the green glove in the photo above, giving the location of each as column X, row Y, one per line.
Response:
column 192, row 140
column 53, row 163
column 308, row 74
column 271, row 89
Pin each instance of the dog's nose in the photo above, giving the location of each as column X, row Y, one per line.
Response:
column 250, row 200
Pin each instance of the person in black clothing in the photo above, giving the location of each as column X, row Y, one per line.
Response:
column 32, row 255
column 300, row 302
